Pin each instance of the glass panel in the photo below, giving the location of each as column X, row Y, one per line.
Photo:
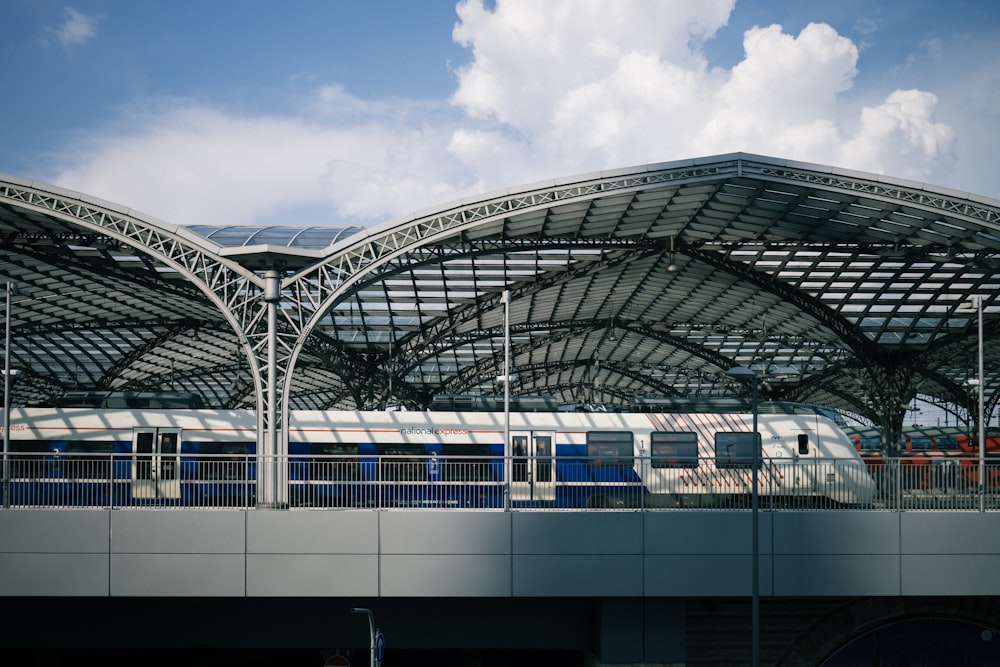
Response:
column 226, row 460
column 519, row 453
column 609, row 448
column 871, row 443
column 144, row 455
column 168, row 460
column 674, row 450
column 543, row 452
column 946, row 443
column 462, row 468
column 335, row 461
column 403, row 462
column 80, row 466
column 736, row 449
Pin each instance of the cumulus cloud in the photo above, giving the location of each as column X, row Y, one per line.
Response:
column 75, row 29
column 551, row 89
column 189, row 163
column 652, row 96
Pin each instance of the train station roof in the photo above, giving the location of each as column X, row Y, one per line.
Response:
column 648, row 282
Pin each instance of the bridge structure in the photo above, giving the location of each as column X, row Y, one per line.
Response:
column 586, row 587
column 653, row 281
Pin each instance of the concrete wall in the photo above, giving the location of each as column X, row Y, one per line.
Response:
column 400, row 554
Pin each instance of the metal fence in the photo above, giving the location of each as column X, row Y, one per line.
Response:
column 454, row 482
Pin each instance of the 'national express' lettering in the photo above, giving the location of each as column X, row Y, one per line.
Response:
column 417, row 430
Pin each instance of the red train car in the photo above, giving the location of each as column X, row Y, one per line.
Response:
column 934, row 456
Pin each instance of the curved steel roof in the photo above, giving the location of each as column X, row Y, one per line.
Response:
column 643, row 282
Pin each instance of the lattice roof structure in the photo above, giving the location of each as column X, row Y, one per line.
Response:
column 644, row 282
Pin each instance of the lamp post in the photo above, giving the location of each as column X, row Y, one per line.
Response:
column 11, row 289
column 376, row 640
column 982, row 418
column 976, row 303
column 508, row 468
column 750, row 374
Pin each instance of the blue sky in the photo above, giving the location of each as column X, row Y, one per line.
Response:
column 355, row 112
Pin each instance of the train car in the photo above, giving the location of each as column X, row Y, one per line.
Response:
column 572, row 459
column 924, row 441
column 945, row 457
column 123, row 457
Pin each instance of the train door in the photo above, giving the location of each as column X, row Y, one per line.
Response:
column 810, row 478
column 156, row 463
column 533, row 466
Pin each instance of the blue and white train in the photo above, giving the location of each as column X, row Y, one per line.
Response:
column 194, row 457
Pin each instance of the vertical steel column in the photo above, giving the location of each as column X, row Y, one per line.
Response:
column 508, row 469
column 6, row 400
column 982, row 417
column 269, row 464
column 755, row 557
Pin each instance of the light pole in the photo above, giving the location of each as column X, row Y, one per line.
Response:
column 11, row 289
column 976, row 303
column 508, row 468
column 982, row 418
column 377, row 642
column 748, row 373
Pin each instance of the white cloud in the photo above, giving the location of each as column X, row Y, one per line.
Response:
column 645, row 92
column 191, row 164
column 900, row 137
column 553, row 89
column 76, row 28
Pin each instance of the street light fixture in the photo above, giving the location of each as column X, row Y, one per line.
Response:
column 746, row 373
column 11, row 289
column 975, row 303
column 508, row 467
column 377, row 641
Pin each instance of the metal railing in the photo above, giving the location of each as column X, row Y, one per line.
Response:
column 66, row 480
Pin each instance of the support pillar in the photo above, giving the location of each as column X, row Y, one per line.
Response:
column 272, row 462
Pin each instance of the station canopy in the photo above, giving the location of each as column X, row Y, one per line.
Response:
column 626, row 288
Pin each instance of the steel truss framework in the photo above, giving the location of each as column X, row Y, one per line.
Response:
column 641, row 282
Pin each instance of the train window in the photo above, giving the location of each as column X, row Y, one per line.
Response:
column 519, row 458
column 609, row 448
column 403, row 462
column 88, row 460
column 333, row 461
column 946, row 443
column 870, row 443
column 27, row 458
column 674, row 450
column 803, row 443
column 736, row 449
column 223, row 460
column 921, row 444
column 466, row 463
column 543, row 458
column 169, row 448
